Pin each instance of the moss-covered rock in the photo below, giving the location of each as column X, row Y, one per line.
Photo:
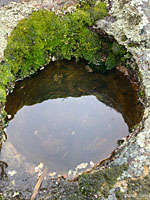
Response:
column 139, row 187
column 100, row 181
column 1, row 197
column 44, row 35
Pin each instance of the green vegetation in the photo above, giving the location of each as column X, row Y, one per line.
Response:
column 136, row 189
column 43, row 36
column 5, row 78
column 139, row 187
column 141, row 93
column 100, row 181
column 131, row 129
column 1, row 197
column 119, row 195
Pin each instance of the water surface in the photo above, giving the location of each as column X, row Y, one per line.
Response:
column 65, row 116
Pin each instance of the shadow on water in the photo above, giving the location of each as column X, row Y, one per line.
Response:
column 67, row 79
column 63, row 90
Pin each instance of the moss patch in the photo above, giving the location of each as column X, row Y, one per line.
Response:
column 136, row 189
column 5, row 78
column 119, row 195
column 1, row 198
column 139, row 187
column 44, row 36
column 100, row 181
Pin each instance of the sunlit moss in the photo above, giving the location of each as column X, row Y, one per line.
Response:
column 44, row 35
column 2, row 94
column 96, row 12
column 5, row 75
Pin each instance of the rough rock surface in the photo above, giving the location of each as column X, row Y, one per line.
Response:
column 13, row 12
column 129, row 23
column 9, row 17
column 132, row 22
column 6, row 2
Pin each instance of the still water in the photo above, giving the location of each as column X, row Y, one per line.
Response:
column 67, row 118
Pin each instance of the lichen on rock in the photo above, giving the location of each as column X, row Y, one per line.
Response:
column 44, row 35
column 128, row 22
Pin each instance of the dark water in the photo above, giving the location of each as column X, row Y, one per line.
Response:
column 65, row 116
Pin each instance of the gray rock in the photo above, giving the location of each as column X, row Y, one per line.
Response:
column 129, row 24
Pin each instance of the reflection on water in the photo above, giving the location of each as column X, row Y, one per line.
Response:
column 59, row 118
column 65, row 132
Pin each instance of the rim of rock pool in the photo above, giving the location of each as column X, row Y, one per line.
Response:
column 116, row 98
column 135, row 132
column 104, row 164
column 111, row 156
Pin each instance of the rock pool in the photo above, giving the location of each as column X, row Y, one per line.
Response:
column 67, row 118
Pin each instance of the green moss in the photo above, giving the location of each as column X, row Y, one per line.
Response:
column 43, row 35
column 118, row 49
column 142, row 93
column 5, row 78
column 96, row 12
column 2, row 94
column 1, row 198
column 3, row 113
column 3, row 123
column 31, row 43
column 111, row 61
column 139, row 186
column 137, row 189
column 119, row 195
column 84, row 3
column 115, row 53
column 78, row 41
column 101, row 181
column 5, row 75
column 131, row 129
column 133, row 44
column 124, row 38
